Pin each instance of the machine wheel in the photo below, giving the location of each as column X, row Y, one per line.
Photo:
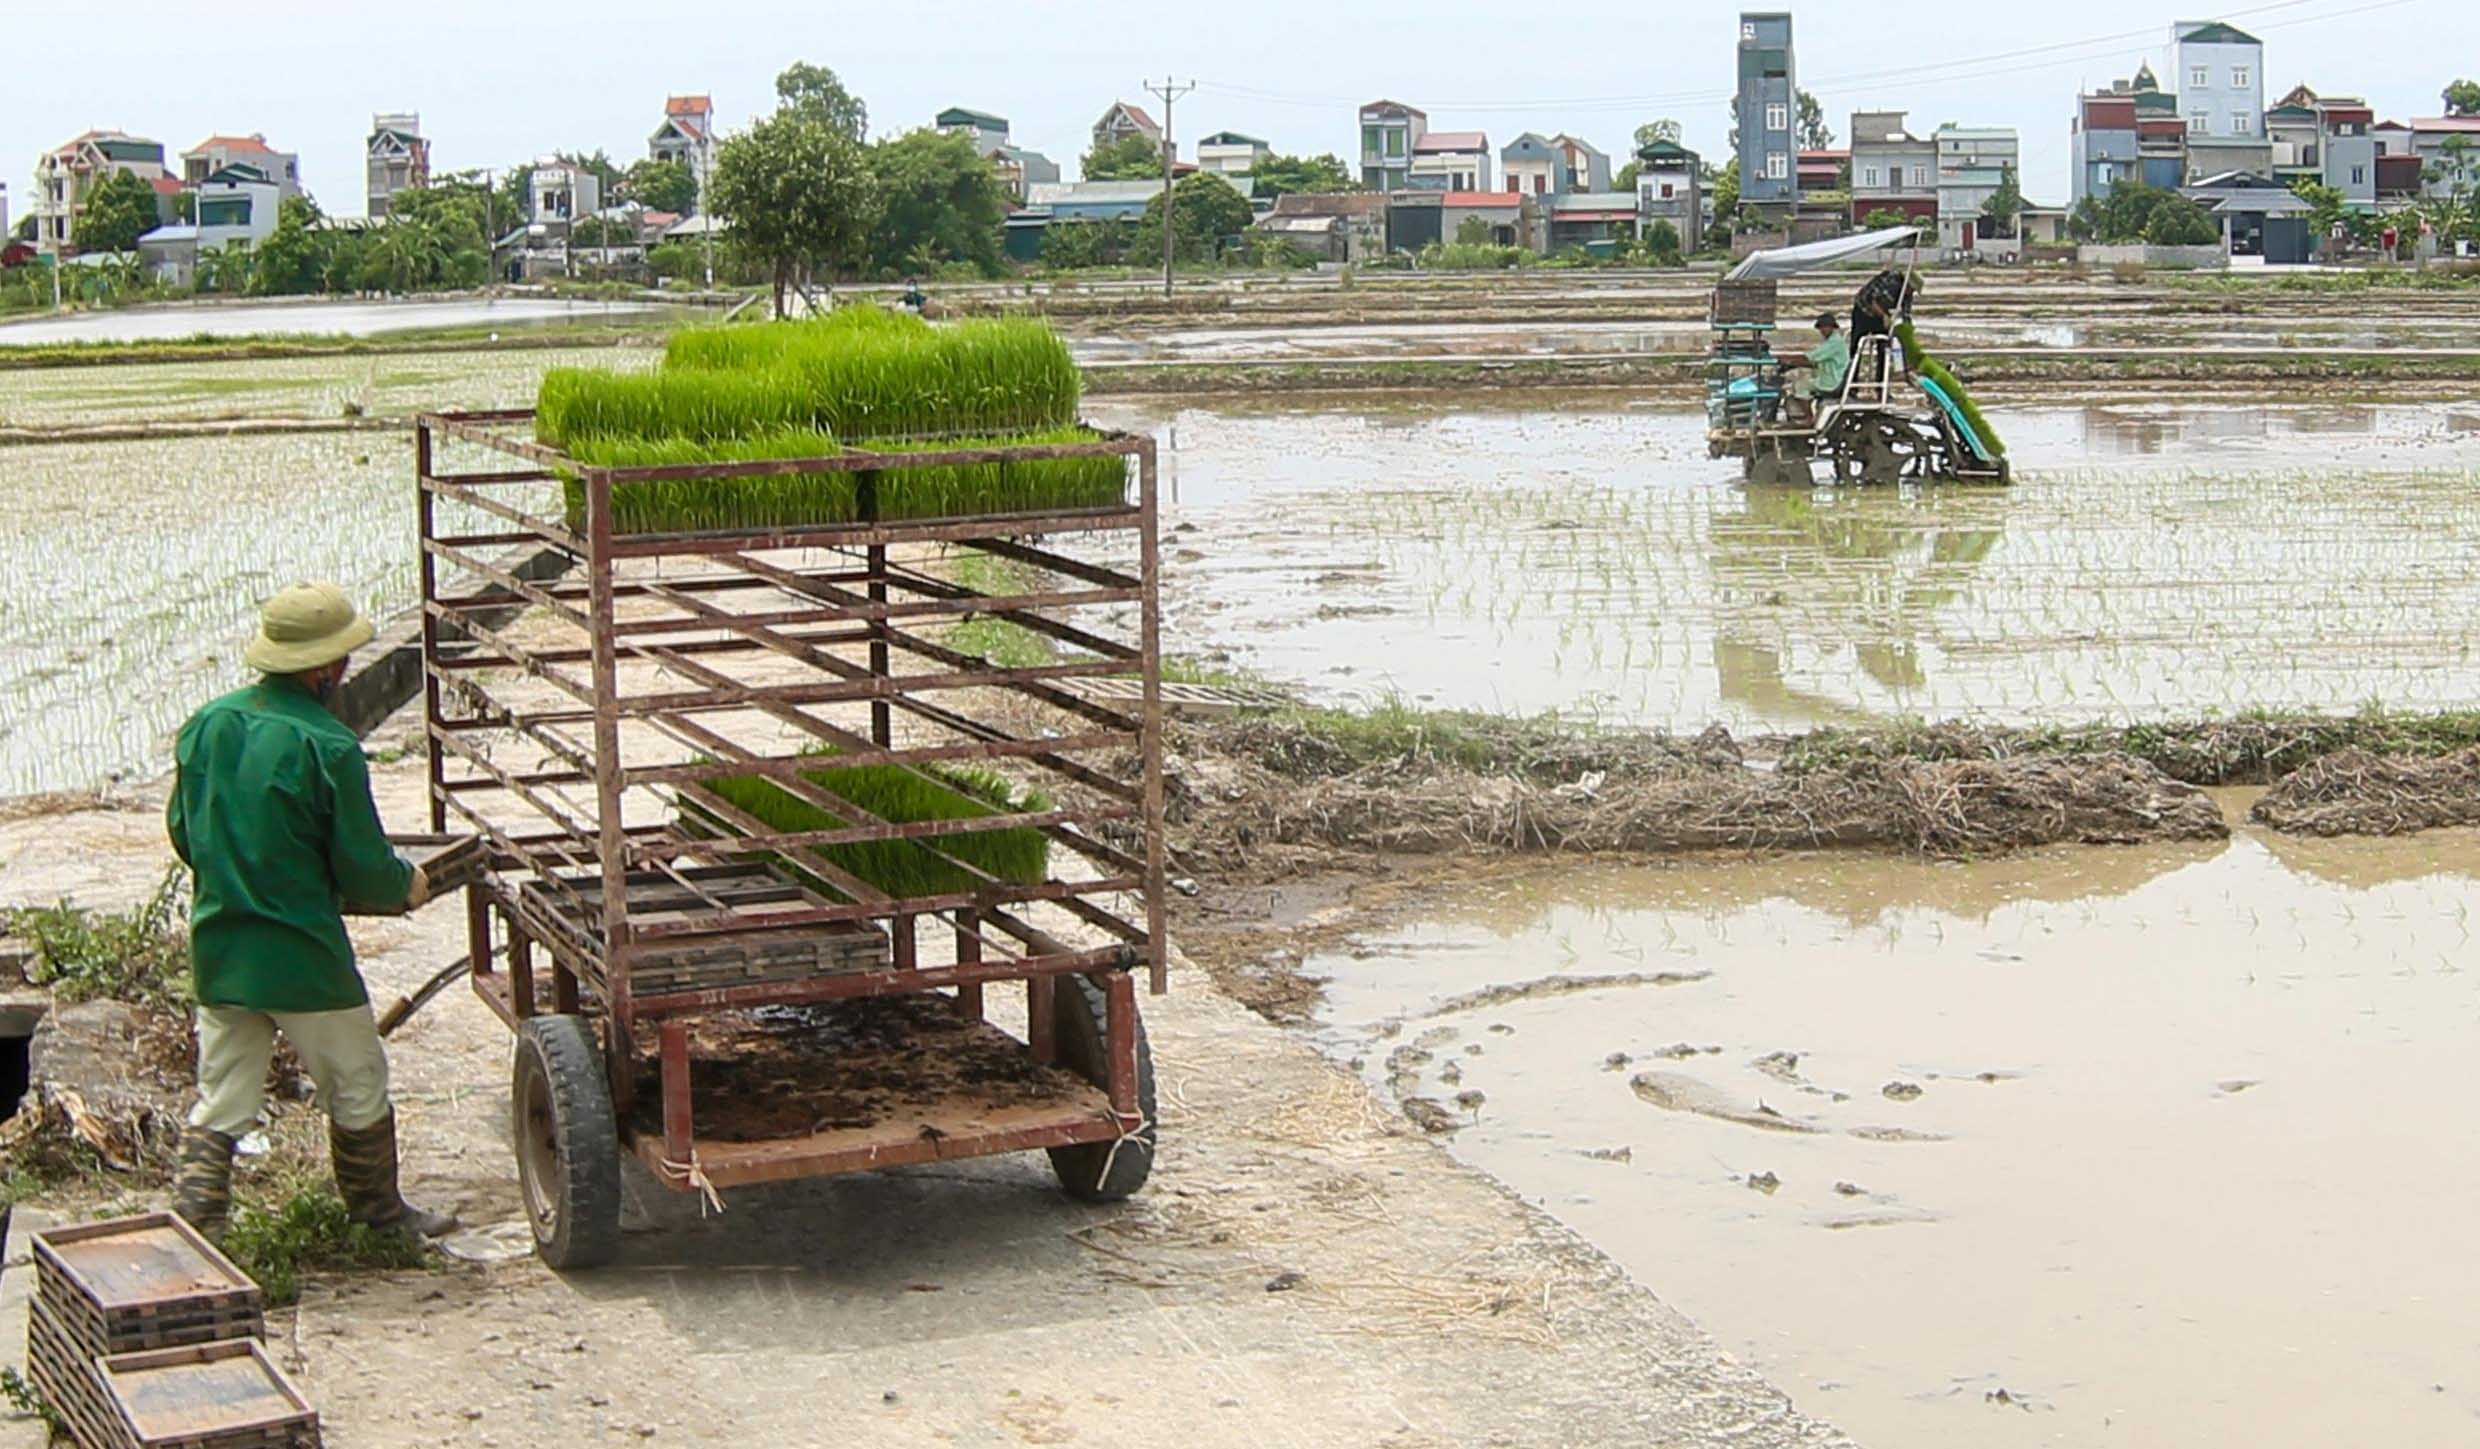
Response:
column 567, row 1141
column 1092, row 1171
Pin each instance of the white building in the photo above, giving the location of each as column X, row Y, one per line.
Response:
column 559, row 191
column 1972, row 162
column 1229, row 153
column 218, row 152
column 66, row 175
column 2219, row 71
column 1450, row 161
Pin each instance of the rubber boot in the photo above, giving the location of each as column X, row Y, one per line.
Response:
column 365, row 1162
column 202, row 1182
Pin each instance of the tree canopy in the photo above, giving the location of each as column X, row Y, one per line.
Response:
column 119, row 210
column 1130, row 158
column 943, row 204
column 814, row 91
column 2005, row 203
column 2178, row 222
column 660, row 186
column 1299, row 176
column 1652, row 131
column 1207, row 214
column 799, row 194
column 2462, row 98
column 1815, row 134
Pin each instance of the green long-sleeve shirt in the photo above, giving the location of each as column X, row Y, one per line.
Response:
column 271, row 810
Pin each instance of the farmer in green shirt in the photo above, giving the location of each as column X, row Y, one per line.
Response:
column 271, row 811
column 1829, row 362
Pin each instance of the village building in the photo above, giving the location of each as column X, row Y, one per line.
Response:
column 397, row 158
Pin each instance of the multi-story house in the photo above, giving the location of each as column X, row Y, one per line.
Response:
column 2448, row 150
column 1669, row 187
column 987, row 132
column 1588, row 167
column 1893, row 170
column 218, row 152
column 1229, row 153
column 687, row 136
column 1123, row 121
column 2325, row 139
column 2220, row 70
column 1020, row 170
column 1532, row 165
column 1389, row 132
column 238, row 203
column 1768, row 111
column 397, row 158
column 558, row 192
column 65, row 176
column 1450, row 161
column 1973, row 161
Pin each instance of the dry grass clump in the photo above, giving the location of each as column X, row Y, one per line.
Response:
column 2354, row 792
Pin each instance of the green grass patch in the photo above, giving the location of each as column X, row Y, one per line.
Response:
column 310, row 1232
column 140, row 956
column 1002, row 642
column 902, row 795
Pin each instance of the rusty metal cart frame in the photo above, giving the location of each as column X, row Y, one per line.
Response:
column 577, row 881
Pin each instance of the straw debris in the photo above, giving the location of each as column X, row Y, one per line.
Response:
column 2355, row 792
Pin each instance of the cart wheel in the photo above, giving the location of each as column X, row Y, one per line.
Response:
column 1092, row 1171
column 568, row 1145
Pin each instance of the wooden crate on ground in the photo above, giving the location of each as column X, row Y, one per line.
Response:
column 207, row 1396
column 143, row 1282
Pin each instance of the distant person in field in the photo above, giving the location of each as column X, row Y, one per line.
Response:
column 271, row 810
column 1826, row 364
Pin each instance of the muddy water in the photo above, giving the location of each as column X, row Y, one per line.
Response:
column 1528, row 553
column 2138, row 1147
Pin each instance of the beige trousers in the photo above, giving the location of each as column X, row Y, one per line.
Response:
column 341, row 1049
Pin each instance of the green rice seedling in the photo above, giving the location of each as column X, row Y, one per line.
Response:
column 907, row 795
column 792, row 500
column 577, row 405
column 766, row 344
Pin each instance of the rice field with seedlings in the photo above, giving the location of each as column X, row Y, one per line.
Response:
column 379, row 386
column 1587, row 559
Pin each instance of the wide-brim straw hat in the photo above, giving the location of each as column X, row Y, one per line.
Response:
column 308, row 626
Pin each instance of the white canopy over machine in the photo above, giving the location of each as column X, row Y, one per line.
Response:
column 1789, row 261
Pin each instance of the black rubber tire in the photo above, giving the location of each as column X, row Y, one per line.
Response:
column 1092, row 1171
column 567, row 1142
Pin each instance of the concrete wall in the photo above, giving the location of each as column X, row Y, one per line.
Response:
column 2168, row 258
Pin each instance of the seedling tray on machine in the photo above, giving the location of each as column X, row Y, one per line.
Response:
column 756, row 956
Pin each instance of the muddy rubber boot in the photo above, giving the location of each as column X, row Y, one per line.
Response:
column 202, row 1182
column 365, row 1162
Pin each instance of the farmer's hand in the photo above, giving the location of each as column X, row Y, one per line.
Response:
column 419, row 892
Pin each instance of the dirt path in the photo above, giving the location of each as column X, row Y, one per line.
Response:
column 1305, row 1269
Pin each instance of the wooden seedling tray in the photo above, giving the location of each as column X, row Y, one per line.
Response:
column 66, row 1376
column 449, row 861
column 140, row 1278
column 207, row 1396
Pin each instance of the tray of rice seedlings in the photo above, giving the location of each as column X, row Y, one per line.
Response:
column 873, row 381
column 899, row 795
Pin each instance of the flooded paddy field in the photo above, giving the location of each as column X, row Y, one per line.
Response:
column 1515, row 553
column 301, row 387
column 309, row 319
column 2142, row 1146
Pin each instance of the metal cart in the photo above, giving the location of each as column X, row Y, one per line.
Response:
column 724, row 1000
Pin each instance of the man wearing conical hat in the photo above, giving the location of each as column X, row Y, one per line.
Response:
column 271, row 811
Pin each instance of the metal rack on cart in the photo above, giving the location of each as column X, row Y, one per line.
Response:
column 579, row 720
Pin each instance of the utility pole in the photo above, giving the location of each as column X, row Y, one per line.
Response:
column 1168, row 91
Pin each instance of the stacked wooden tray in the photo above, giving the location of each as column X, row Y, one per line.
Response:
column 113, row 1298
column 208, row 1396
column 753, row 956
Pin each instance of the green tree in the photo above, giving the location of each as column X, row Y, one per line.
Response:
column 1661, row 243
column 1815, row 134
column 2005, row 203
column 607, row 174
column 814, row 91
column 1130, row 158
column 1472, row 231
column 25, row 229
column 2463, row 98
column 1880, row 218
column 798, row 193
column 2179, row 222
column 1074, row 245
column 2330, row 206
column 119, row 210
column 1725, row 187
column 660, row 186
column 1298, row 176
column 2128, row 210
column 943, row 203
column 1208, row 214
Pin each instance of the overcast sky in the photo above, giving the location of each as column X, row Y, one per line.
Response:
column 498, row 83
